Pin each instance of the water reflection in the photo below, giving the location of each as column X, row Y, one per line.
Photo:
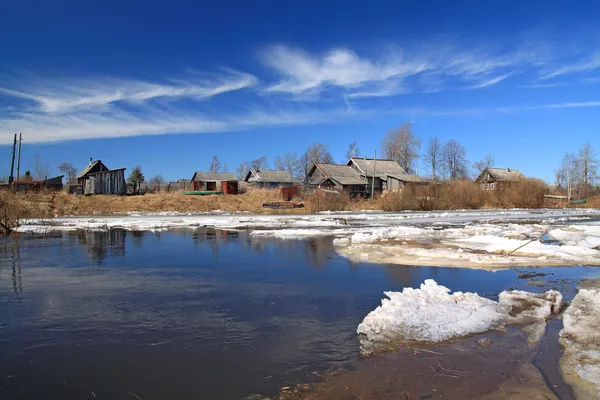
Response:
column 196, row 314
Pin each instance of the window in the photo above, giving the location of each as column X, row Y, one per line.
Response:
column 492, row 186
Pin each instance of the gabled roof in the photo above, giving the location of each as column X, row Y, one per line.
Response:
column 89, row 167
column 270, row 176
column 502, row 174
column 213, row 176
column 383, row 168
column 342, row 174
column 407, row 178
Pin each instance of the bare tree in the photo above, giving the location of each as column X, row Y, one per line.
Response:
column 41, row 171
column 215, row 165
column 403, row 146
column 259, row 164
column 225, row 168
column 157, row 180
column 242, row 171
column 588, row 165
column 567, row 174
column 290, row 163
column 69, row 171
column 315, row 154
column 433, row 156
column 486, row 162
column 455, row 159
column 352, row 152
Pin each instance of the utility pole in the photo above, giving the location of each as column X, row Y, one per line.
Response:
column 19, row 157
column 11, row 178
column 373, row 179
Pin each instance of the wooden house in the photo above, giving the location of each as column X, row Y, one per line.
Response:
column 269, row 178
column 211, row 181
column 96, row 178
column 54, row 183
column 384, row 174
column 493, row 178
column 337, row 177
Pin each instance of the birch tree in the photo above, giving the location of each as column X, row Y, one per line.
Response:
column 486, row 162
column 455, row 159
column 289, row 162
column 352, row 152
column 567, row 174
column 433, row 156
column 588, row 164
column 401, row 145
column 215, row 165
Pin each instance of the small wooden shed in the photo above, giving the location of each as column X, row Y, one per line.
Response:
column 229, row 187
column 106, row 182
column 210, row 181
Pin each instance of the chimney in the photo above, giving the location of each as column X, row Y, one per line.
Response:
column 91, row 160
column 508, row 169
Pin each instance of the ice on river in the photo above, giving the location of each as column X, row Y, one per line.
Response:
column 431, row 314
column 476, row 238
column 580, row 337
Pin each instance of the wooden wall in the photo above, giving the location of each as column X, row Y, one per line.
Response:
column 106, row 182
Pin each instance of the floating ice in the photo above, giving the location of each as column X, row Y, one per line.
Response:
column 580, row 364
column 432, row 314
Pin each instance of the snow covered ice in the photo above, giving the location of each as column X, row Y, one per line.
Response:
column 580, row 337
column 431, row 314
column 474, row 238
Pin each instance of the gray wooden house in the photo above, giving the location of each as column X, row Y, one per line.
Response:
column 337, row 177
column 269, row 178
column 211, row 181
column 96, row 178
column 492, row 178
column 385, row 174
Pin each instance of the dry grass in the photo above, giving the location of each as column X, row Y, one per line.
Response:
column 45, row 204
column 13, row 211
column 324, row 201
column 526, row 193
column 456, row 195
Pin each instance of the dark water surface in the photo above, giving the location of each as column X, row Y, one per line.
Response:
column 198, row 314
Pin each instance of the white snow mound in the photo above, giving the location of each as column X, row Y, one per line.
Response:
column 432, row 314
column 580, row 337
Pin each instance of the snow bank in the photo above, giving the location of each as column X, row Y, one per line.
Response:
column 580, row 337
column 432, row 314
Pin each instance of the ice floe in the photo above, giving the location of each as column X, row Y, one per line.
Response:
column 580, row 337
column 431, row 314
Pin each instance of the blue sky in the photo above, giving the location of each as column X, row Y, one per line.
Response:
column 167, row 85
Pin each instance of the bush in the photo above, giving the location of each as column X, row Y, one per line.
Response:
column 526, row 193
column 11, row 212
column 437, row 196
column 326, row 201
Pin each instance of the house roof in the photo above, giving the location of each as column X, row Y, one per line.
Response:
column 89, row 167
column 343, row 174
column 213, row 176
column 383, row 168
column 270, row 176
column 407, row 178
column 502, row 174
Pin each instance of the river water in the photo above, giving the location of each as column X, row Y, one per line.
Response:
column 207, row 314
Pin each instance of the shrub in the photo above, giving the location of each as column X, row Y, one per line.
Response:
column 526, row 193
column 327, row 201
column 11, row 212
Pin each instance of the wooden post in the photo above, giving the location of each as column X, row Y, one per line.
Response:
column 19, row 158
column 373, row 178
column 11, row 178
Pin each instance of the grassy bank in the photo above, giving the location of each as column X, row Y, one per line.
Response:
column 439, row 197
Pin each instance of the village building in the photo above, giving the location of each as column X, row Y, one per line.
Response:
column 213, row 182
column 384, row 174
column 54, row 183
column 269, row 178
column 96, row 178
column 493, row 178
column 337, row 177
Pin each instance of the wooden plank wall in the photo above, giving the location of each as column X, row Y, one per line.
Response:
column 107, row 182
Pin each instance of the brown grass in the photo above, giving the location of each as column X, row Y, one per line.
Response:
column 324, row 201
column 442, row 196
column 526, row 193
column 13, row 211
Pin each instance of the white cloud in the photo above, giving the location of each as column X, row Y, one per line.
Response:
column 302, row 72
column 587, row 64
column 65, row 95
column 492, row 81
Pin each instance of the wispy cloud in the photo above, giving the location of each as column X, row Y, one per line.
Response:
column 303, row 72
column 67, row 94
column 492, row 81
column 586, row 64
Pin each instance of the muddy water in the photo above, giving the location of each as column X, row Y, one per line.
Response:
column 199, row 314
